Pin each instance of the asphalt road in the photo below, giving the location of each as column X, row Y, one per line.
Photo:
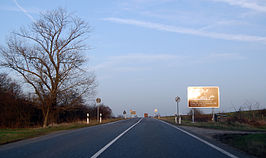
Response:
column 127, row 138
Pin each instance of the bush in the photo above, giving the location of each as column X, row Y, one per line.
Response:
column 199, row 116
column 17, row 111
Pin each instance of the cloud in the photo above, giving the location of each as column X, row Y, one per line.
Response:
column 222, row 56
column 147, row 62
column 144, row 57
column 24, row 11
column 182, row 30
column 125, row 62
column 8, row 8
column 16, row 9
column 222, row 23
column 250, row 4
column 151, row 1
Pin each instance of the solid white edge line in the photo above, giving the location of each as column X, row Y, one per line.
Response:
column 211, row 145
column 110, row 143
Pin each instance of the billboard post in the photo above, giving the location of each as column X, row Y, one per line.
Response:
column 213, row 114
column 193, row 115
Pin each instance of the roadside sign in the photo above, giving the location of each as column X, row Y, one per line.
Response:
column 98, row 100
column 177, row 99
column 203, row 97
column 133, row 112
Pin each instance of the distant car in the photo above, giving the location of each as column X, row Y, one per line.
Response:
column 146, row 115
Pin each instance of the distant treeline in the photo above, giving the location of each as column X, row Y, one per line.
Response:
column 18, row 110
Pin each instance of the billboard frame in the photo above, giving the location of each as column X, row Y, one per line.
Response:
column 205, row 87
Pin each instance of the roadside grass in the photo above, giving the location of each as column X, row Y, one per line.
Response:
column 254, row 144
column 12, row 135
column 217, row 125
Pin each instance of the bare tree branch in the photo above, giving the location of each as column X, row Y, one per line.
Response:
column 49, row 57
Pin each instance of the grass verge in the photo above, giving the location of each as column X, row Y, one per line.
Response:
column 12, row 135
column 216, row 125
column 253, row 144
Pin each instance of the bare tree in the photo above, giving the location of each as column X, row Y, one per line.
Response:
column 49, row 56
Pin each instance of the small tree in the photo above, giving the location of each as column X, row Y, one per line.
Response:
column 48, row 55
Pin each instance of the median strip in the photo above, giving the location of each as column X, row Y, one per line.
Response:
column 114, row 140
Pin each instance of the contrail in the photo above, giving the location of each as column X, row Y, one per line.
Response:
column 24, row 11
column 183, row 30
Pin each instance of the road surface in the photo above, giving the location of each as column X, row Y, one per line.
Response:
column 138, row 137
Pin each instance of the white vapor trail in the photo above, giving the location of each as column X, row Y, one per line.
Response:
column 24, row 10
column 182, row 30
column 245, row 4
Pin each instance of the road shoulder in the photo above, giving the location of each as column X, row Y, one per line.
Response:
column 208, row 135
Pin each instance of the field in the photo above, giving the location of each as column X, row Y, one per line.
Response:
column 12, row 135
column 218, row 125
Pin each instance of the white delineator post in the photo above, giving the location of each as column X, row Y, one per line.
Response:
column 88, row 118
column 100, row 117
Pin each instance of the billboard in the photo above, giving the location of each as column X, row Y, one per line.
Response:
column 203, row 97
column 133, row 112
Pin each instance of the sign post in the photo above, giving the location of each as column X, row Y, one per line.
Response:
column 155, row 111
column 124, row 113
column 98, row 101
column 177, row 99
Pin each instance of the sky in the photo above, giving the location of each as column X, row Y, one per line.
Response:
column 146, row 52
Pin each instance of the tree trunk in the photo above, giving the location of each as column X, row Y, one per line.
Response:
column 45, row 121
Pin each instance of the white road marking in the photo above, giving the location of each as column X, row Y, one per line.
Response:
column 211, row 145
column 110, row 143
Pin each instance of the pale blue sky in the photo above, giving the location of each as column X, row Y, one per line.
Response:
column 146, row 52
